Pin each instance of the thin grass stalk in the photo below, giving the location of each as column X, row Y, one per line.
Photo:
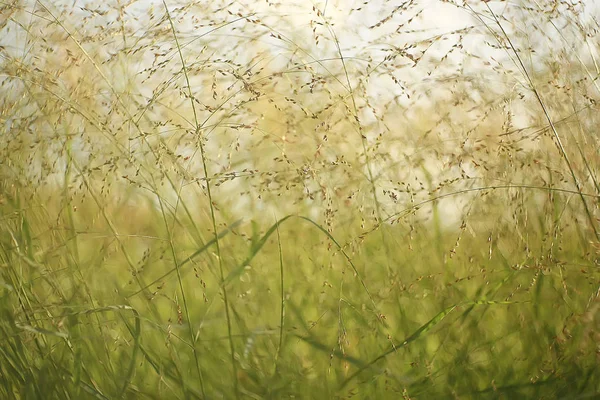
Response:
column 282, row 312
column 362, row 139
column 585, row 161
column 538, row 97
column 212, row 216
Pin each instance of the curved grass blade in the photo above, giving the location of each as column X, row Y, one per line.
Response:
column 335, row 352
column 420, row 332
column 189, row 258
column 260, row 243
column 41, row 331
column 417, row 334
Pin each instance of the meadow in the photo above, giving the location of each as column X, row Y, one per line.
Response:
column 316, row 200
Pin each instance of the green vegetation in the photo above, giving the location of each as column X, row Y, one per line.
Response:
column 322, row 200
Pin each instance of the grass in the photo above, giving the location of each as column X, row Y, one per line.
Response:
column 300, row 201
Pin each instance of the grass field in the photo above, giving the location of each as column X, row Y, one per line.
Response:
column 322, row 201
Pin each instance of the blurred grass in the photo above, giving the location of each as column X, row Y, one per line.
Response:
column 485, row 322
column 239, row 205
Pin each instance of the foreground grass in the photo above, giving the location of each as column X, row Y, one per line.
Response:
column 478, row 319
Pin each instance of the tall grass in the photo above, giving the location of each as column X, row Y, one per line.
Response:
column 292, row 200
